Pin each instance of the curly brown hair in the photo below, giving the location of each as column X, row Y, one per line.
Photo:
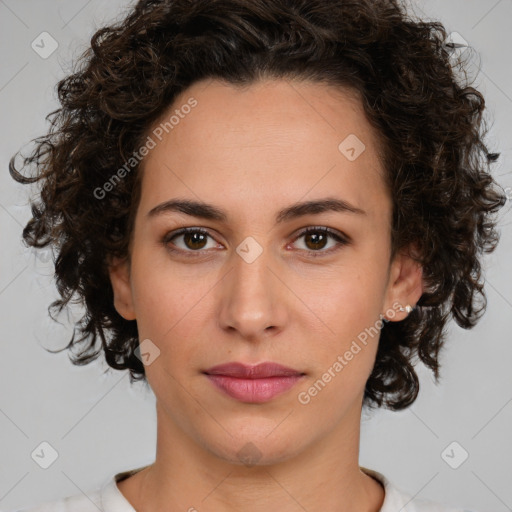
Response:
column 430, row 124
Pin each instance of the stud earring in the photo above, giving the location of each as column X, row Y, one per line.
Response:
column 407, row 308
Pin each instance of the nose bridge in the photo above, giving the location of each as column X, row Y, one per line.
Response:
column 251, row 302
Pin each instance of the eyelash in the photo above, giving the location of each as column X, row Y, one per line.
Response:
column 342, row 241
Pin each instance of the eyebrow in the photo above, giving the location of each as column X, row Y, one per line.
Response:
column 210, row 212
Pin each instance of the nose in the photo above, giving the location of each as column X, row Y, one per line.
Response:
column 253, row 297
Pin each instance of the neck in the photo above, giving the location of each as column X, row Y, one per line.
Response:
column 185, row 476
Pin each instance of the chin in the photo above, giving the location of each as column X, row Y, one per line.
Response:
column 256, row 448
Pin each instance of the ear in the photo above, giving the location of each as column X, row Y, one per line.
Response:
column 119, row 272
column 405, row 285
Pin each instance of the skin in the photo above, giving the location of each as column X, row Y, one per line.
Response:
column 253, row 151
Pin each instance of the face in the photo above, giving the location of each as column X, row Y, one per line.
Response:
column 246, row 284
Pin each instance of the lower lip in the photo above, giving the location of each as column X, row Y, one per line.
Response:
column 255, row 391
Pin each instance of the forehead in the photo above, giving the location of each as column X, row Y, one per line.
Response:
column 271, row 140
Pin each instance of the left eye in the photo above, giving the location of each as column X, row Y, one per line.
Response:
column 315, row 240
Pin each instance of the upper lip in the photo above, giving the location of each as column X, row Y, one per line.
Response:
column 258, row 371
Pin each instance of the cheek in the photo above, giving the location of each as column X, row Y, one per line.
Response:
column 167, row 300
column 348, row 306
column 345, row 355
column 347, row 300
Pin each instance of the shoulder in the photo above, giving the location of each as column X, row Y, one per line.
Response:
column 107, row 498
column 76, row 503
column 395, row 499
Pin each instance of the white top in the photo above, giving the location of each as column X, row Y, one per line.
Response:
column 109, row 498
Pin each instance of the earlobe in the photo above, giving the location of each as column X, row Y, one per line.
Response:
column 119, row 272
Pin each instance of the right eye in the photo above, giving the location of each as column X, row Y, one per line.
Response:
column 193, row 240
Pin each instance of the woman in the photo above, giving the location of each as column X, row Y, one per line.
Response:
column 268, row 209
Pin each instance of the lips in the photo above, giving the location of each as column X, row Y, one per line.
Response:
column 253, row 384
column 260, row 371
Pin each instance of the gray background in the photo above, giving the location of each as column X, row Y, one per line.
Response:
column 99, row 425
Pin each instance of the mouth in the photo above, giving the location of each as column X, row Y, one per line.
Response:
column 253, row 384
